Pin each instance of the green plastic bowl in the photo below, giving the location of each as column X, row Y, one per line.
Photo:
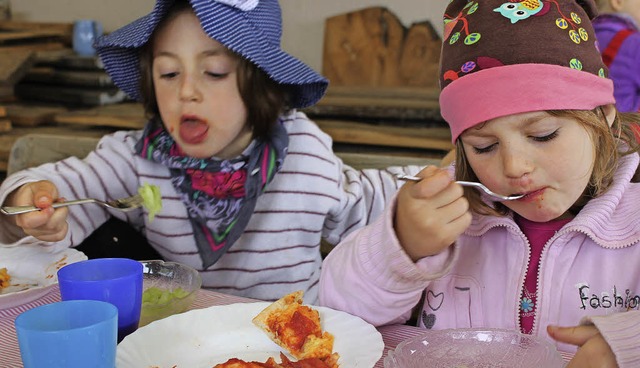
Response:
column 168, row 288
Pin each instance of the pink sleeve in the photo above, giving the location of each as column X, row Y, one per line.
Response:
column 622, row 332
column 369, row 274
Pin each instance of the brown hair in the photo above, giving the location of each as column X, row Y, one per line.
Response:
column 264, row 99
column 602, row 4
column 605, row 139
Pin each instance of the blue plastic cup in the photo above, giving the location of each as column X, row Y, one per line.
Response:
column 68, row 334
column 85, row 33
column 114, row 280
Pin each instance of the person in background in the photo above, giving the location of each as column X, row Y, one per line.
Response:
column 619, row 41
column 531, row 112
column 249, row 184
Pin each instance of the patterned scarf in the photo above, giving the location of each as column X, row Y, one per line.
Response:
column 220, row 195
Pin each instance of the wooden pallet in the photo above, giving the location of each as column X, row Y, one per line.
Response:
column 411, row 104
column 119, row 116
column 17, row 32
column 80, row 78
column 344, row 131
column 386, row 134
column 20, row 43
column 14, row 64
column 5, row 123
column 31, row 115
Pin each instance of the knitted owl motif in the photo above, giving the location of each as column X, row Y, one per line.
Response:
column 516, row 11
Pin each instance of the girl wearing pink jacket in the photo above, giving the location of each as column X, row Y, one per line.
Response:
column 531, row 111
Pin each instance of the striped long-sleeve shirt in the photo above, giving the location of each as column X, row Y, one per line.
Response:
column 314, row 196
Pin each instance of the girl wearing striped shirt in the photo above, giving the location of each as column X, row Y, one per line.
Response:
column 249, row 185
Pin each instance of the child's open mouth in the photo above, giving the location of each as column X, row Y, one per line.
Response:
column 193, row 130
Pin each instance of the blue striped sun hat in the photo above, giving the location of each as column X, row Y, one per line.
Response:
column 250, row 28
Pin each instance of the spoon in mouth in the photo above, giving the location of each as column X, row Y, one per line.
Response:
column 498, row 197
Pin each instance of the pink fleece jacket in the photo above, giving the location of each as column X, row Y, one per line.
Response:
column 589, row 273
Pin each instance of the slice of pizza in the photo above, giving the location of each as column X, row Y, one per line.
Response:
column 5, row 278
column 296, row 328
column 238, row 363
column 331, row 362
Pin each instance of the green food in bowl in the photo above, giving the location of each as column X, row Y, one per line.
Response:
column 168, row 288
column 156, row 296
column 159, row 303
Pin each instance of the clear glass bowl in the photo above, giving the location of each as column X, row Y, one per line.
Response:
column 168, row 288
column 474, row 348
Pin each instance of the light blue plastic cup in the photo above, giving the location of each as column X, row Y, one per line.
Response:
column 69, row 334
column 114, row 280
column 85, row 33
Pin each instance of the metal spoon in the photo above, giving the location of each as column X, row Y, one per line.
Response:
column 122, row 204
column 496, row 196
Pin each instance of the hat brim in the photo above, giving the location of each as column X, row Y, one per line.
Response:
column 514, row 89
column 119, row 50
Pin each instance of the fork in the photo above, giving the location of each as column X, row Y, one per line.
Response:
column 122, row 204
column 481, row 186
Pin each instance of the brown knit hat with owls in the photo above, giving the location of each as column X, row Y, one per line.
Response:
column 504, row 57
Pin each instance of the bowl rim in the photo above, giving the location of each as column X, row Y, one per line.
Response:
column 390, row 359
column 450, row 331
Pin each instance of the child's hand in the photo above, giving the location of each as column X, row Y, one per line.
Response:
column 430, row 214
column 593, row 350
column 48, row 224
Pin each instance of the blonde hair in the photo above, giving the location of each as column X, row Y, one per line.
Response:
column 618, row 140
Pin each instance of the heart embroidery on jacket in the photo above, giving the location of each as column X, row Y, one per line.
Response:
column 434, row 300
column 428, row 320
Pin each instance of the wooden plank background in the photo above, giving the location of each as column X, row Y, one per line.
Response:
column 381, row 108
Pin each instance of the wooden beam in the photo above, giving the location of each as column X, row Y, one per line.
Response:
column 14, row 65
column 123, row 115
column 385, row 135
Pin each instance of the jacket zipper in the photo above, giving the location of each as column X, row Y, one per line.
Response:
column 543, row 255
column 523, row 276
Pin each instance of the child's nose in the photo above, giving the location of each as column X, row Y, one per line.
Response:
column 189, row 90
column 516, row 164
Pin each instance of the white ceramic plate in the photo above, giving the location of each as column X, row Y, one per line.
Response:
column 206, row 337
column 33, row 270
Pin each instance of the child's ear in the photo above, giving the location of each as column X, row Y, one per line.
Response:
column 609, row 113
column 616, row 5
